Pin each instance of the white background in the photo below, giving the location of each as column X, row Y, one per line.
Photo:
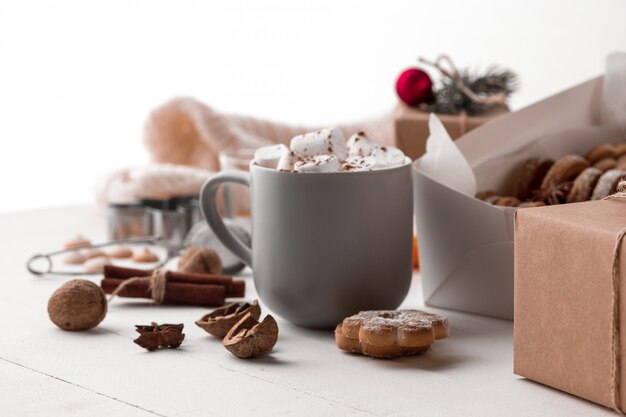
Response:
column 77, row 78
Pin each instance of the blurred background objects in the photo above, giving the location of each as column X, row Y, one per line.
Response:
column 78, row 79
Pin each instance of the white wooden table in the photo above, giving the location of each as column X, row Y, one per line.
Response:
column 46, row 371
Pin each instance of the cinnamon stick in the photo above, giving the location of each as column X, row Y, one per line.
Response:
column 234, row 288
column 203, row 295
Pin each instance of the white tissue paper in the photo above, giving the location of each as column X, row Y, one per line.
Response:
column 614, row 113
column 444, row 162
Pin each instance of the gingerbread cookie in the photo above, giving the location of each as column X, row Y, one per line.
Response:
column 390, row 333
column 620, row 149
column 565, row 168
column 600, row 152
column 605, row 164
column 621, row 163
column 583, row 185
column 607, row 184
column 531, row 176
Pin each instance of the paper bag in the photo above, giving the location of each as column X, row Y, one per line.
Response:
column 466, row 245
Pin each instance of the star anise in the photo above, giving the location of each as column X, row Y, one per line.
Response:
column 154, row 336
column 554, row 193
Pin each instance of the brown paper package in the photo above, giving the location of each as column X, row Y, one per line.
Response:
column 563, row 297
column 411, row 127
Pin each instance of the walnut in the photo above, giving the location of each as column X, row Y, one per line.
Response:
column 249, row 338
column 77, row 305
column 221, row 320
column 200, row 260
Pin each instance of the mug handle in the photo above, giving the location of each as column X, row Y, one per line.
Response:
column 208, row 207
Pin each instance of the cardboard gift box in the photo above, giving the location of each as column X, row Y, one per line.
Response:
column 411, row 127
column 570, row 275
column 466, row 245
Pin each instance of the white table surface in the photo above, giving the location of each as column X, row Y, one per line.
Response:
column 46, row 371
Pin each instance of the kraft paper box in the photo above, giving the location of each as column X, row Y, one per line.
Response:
column 411, row 127
column 466, row 245
column 564, row 298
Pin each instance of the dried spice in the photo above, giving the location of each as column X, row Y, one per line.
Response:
column 156, row 336
column 221, row 320
column 553, row 193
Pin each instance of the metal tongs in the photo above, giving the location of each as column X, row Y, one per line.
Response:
column 134, row 240
column 199, row 235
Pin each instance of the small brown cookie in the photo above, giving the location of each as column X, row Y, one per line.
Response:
column 120, row 252
column 507, row 201
column 607, row 184
column 605, row 150
column 92, row 253
column 530, row 178
column 483, row 195
column 605, row 164
column 77, row 242
column 583, row 185
column 145, row 256
column 621, row 163
column 96, row 265
column 620, row 149
column 492, row 199
column 564, row 169
column 531, row 204
column 390, row 333
column 74, row 258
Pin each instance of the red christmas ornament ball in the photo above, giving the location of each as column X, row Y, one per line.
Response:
column 414, row 86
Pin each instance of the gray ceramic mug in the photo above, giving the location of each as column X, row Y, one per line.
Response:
column 326, row 245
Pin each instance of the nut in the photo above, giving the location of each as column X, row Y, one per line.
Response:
column 77, row 305
column 200, row 261
column 249, row 338
column 221, row 320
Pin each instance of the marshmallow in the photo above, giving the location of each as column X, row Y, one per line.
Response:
column 287, row 160
column 360, row 145
column 359, row 163
column 268, row 156
column 324, row 141
column 388, row 157
column 318, row 163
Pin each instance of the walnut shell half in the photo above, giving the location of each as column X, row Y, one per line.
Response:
column 250, row 339
column 221, row 320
